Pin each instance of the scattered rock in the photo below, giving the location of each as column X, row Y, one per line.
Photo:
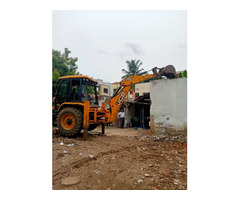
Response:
column 91, row 156
column 147, row 175
column 61, row 143
column 96, row 171
column 81, row 154
column 70, row 145
column 138, row 149
column 150, row 165
column 70, row 181
column 176, row 181
column 65, row 152
column 140, row 181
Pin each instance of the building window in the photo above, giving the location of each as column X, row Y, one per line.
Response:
column 105, row 90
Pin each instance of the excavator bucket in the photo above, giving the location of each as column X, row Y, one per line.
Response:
column 169, row 71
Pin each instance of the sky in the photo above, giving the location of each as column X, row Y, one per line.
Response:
column 103, row 40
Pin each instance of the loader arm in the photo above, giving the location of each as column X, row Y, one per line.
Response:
column 117, row 100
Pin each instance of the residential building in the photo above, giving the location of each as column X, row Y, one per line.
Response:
column 116, row 85
column 105, row 91
column 142, row 88
column 105, row 88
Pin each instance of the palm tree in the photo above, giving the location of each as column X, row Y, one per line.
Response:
column 133, row 68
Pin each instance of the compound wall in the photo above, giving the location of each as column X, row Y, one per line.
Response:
column 168, row 114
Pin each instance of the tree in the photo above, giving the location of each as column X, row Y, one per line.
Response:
column 133, row 68
column 55, row 77
column 185, row 73
column 91, row 89
column 180, row 75
column 62, row 65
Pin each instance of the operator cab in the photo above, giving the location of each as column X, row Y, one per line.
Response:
column 76, row 88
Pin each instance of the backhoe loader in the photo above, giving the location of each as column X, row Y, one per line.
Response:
column 75, row 106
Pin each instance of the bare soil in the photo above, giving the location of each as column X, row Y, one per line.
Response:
column 122, row 159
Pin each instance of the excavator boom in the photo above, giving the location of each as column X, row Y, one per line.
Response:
column 117, row 100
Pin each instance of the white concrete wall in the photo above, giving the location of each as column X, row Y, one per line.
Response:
column 169, row 105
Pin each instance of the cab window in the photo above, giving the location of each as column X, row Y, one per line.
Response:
column 75, row 90
column 84, row 90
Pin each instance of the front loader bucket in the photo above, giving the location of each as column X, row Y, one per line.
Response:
column 169, row 71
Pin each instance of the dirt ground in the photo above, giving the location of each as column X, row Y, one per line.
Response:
column 122, row 159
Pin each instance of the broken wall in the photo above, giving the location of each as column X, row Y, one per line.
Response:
column 168, row 113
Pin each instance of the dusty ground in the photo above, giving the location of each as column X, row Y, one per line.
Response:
column 122, row 159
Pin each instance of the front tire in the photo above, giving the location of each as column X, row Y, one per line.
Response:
column 69, row 121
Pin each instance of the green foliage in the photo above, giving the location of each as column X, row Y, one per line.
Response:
column 180, row 75
column 55, row 76
column 185, row 73
column 91, row 90
column 136, row 119
column 62, row 65
column 133, row 67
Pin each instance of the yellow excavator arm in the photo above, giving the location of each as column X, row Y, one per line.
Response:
column 117, row 100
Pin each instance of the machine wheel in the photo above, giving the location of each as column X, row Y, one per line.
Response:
column 69, row 121
column 92, row 126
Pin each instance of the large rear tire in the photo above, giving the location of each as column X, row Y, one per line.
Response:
column 69, row 121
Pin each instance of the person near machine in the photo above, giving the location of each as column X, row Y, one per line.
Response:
column 121, row 117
